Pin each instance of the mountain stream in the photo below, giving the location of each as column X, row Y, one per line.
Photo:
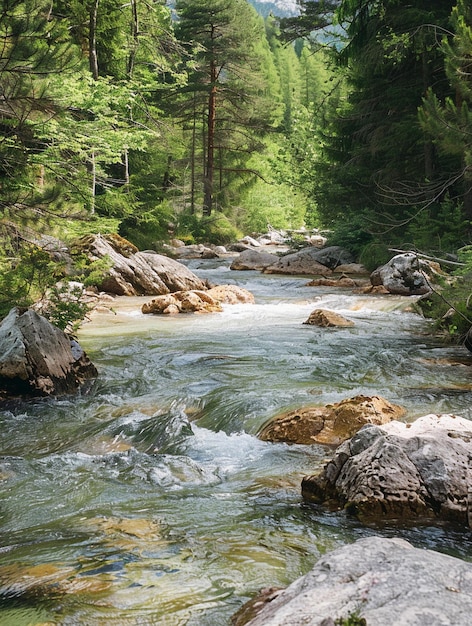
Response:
column 150, row 500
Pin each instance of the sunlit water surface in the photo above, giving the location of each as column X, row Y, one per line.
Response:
column 150, row 500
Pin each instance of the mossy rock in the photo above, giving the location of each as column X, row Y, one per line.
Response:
column 118, row 243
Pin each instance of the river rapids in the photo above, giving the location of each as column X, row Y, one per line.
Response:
column 149, row 498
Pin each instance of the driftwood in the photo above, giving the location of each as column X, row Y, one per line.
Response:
column 427, row 257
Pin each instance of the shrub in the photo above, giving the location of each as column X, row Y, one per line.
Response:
column 216, row 229
column 65, row 307
column 26, row 277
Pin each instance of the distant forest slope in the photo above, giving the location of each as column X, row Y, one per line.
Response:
column 282, row 8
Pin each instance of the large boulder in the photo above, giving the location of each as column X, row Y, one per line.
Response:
column 334, row 256
column 382, row 581
column 405, row 275
column 195, row 251
column 38, row 359
column 311, row 261
column 331, row 424
column 253, row 260
column 135, row 273
column 418, row 471
column 351, row 268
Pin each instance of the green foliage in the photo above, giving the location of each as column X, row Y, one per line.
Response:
column 353, row 619
column 440, row 227
column 275, row 204
column 26, row 277
column 373, row 159
column 69, row 229
column 465, row 256
column 374, row 255
column 450, row 308
column 351, row 233
column 146, row 229
column 216, row 229
column 95, row 272
column 65, row 306
column 32, row 276
column 229, row 100
column 448, row 119
column 220, row 231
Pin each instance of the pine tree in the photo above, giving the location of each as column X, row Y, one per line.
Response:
column 34, row 49
column 226, row 103
column 448, row 120
column 374, row 147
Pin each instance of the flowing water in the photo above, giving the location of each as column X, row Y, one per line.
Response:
column 150, row 500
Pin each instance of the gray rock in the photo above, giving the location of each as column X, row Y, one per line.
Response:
column 311, row 261
column 250, row 241
column 195, row 251
column 403, row 275
column 253, row 260
column 136, row 273
column 38, row 359
column 333, row 256
column 417, row 471
column 386, row 581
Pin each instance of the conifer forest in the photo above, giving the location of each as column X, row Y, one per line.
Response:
column 208, row 119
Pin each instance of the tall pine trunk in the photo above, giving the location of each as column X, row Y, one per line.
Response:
column 210, row 157
column 93, row 57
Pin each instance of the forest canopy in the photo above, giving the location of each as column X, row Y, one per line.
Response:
column 206, row 119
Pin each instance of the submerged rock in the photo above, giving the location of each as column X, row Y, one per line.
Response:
column 326, row 319
column 332, row 424
column 38, row 359
column 418, row 471
column 341, row 281
column 383, row 581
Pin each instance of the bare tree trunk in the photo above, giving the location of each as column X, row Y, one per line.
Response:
column 135, row 39
column 93, row 58
column 94, row 182
column 126, row 165
column 210, row 159
column 428, row 145
column 192, row 156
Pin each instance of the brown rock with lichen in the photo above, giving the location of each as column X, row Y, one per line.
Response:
column 231, row 294
column 198, row 301
column 327, row 319
column 332, row 424
column 181, row 302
